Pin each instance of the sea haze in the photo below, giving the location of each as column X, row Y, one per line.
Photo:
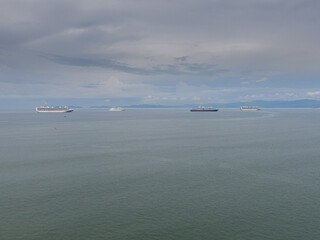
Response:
column 160, row 174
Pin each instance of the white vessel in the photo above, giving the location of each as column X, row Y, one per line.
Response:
column 204, row 109
column 247, row 108
column 116, row 109
column 47, row 109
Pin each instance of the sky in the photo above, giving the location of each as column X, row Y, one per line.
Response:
column 167, row 52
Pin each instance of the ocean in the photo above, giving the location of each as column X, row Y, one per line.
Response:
column 160, row 174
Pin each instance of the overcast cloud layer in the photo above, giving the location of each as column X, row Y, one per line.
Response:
column 167, row 52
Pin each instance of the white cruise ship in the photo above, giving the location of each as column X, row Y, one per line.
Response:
column 247, row 108
column 204, row 109
column 47, row 109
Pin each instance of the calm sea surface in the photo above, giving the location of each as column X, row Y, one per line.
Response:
column 160, row 174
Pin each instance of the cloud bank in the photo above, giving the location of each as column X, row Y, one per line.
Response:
column 74, row 48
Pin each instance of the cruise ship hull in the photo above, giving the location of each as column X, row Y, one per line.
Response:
column 249, row 110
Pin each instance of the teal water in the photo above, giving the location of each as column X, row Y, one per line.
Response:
column 160, row 174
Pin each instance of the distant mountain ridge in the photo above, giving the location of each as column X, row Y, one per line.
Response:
column 135, row 103
column 302, row 103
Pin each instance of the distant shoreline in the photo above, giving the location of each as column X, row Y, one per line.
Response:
column 98, row 104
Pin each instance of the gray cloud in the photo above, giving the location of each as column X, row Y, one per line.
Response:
column 181, row 59
column 94, row 62
column 174, row 69
column 131, row 38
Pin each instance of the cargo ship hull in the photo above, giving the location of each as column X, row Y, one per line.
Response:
column 196, row 110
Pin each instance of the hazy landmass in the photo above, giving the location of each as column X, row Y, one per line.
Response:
column 100, row 103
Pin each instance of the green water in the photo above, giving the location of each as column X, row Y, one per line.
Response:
column 160, row 174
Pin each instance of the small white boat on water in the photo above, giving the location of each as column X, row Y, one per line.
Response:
column 116, row 109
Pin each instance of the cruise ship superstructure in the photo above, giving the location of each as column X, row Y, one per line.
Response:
column 47, row 109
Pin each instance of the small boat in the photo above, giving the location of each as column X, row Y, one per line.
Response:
column 116, row 109
column 203, row 109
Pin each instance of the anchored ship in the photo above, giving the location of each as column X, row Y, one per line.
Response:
column 247, row 108
column 48, row 109
column 116, row 109
column 203, row 109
